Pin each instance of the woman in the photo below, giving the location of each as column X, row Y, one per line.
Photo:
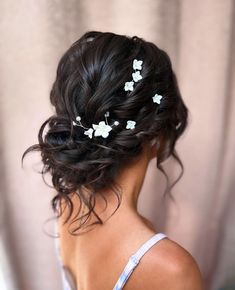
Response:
column 117, row 106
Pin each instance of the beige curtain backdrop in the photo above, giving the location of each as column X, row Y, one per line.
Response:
column 199, row 37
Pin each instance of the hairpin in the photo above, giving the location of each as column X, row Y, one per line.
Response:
column 178, row 125
column 103, row 128
column 136, row 76
column 157, row 98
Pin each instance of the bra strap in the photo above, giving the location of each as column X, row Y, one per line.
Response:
column 135, row 258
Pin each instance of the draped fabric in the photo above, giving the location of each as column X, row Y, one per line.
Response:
column 199, row 37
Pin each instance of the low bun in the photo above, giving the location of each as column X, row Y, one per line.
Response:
column 89, row 82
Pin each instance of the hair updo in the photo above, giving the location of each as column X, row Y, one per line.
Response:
column 89, row 82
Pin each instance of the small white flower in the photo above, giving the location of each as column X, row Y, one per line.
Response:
column 78, row 118
column 102, row 129
column 129, row 86
column 157, row 98
column 106, row 114
column 116, row 123
column 89, row 132
column 136, row 76
column 137, row 64
column 75, row 124
column 130, row 124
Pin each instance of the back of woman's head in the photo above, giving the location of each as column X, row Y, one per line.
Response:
column 95, row 76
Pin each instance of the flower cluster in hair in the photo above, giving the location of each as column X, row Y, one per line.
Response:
column 136, row 76
column 103, row 128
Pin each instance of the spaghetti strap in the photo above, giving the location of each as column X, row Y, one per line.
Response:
column 135, row 258
column 69, row 283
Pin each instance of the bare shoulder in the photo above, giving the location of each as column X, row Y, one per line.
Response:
column 168, row 267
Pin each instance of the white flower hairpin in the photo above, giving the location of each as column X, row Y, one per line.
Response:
column 157, row 98
column 129, row 86
column 103, row 128
column 136, row 76
column 137, row 64
column 130, row 124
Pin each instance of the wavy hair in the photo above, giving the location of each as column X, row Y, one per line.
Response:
column 89, row 82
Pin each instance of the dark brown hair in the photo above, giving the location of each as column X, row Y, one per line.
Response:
column 89, row 82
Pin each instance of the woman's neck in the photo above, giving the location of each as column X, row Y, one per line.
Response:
column 130, row 181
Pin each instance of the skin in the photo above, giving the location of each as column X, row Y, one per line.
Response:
column 97, row 258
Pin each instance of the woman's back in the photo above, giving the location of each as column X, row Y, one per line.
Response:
column 101, row 279
column 97, row 259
